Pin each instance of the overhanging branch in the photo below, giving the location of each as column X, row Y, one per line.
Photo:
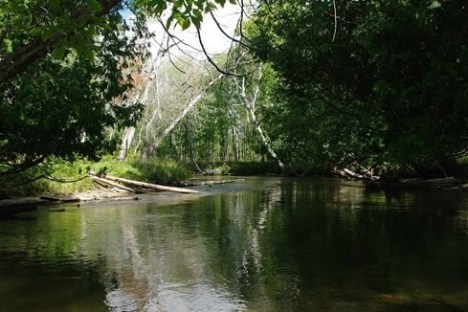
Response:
column 18, row 62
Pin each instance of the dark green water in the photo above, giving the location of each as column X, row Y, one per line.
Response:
column 258, row 245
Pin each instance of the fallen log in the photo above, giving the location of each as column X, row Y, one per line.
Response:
column 63, row 199
column 10, row 207
column 10, row 211
column 349, row 174
column 434, row 183
column 212, row 182
column 431, row 184
column 126, row 198
column 150, row 185
column 353, row 174
column 4, row 203
column 111, row 183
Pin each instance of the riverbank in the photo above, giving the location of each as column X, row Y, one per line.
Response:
column 108, row 188
column 67, row 178
column 81, row 180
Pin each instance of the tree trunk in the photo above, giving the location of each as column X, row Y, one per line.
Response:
column 127, row 138
column 250, row 106
column 185, row 111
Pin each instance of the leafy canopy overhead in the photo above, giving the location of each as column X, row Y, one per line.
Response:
column 63, row 64
column 390, row 86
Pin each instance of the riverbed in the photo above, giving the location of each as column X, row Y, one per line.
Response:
column 261, row 244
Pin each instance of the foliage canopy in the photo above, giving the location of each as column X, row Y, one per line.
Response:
column 63, row 64
column 392, row 86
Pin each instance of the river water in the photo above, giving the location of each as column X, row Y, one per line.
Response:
column 262, row 244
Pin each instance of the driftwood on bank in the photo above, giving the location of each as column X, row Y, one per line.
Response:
column 10, row 207
column 5, row 203
column 149, row 185
column 434, row 184
column 62, row 199
column 210, row 183
column 349, row 174
column 375, row 181
column 112, row 183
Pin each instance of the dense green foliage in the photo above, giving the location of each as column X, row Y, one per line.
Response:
column 391, row 87
column 63, row 64
column 379, row 84
column 216, row 131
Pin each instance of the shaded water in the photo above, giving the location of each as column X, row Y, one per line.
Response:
column 259, row 245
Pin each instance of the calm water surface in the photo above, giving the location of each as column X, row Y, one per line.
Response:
column 258, row 245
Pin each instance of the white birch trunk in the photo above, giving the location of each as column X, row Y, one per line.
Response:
column 250, row 106
column 129, row 132
column 185, row 111
column 127, row 138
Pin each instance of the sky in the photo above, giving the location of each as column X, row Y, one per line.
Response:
column 213, row 39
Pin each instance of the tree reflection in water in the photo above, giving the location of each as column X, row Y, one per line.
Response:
column 264, row 245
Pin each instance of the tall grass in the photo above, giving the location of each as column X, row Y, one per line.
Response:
column 64, row 177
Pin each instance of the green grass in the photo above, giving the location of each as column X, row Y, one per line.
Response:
column 63, row 177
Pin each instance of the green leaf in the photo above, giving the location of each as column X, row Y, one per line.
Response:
column 55, row 3
column 233, row 1
column 88, row 54
column 8, row 45
column 434, row 5
column 196, row 18
column 94, row 5
column 184, row 23
column 59, row 52
column 209, row 7
column 196, row 21
column 36, row 32
column 47, row 33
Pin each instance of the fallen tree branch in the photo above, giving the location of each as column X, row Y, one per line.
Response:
column 349, row 174
column 111, row 183
column 211, row 182
column 148, row 185
column 61, row 199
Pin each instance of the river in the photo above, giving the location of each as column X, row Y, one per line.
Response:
column 262, row 244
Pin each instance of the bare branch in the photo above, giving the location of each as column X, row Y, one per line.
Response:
column 224, row 32
column 335, row 19
column 210, row 60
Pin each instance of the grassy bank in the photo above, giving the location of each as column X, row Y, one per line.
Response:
column 62, row 177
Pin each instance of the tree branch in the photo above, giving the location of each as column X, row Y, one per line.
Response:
column 19, row 61
column 210, row 60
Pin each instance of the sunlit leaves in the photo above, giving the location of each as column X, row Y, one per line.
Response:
column 181, row 12
column 434, row 5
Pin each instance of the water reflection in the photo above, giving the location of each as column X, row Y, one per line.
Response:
column 264, row 245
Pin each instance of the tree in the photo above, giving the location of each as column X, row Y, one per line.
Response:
column 74, row 24
column 61, row 107
column 62, row 65
column 390, row 85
